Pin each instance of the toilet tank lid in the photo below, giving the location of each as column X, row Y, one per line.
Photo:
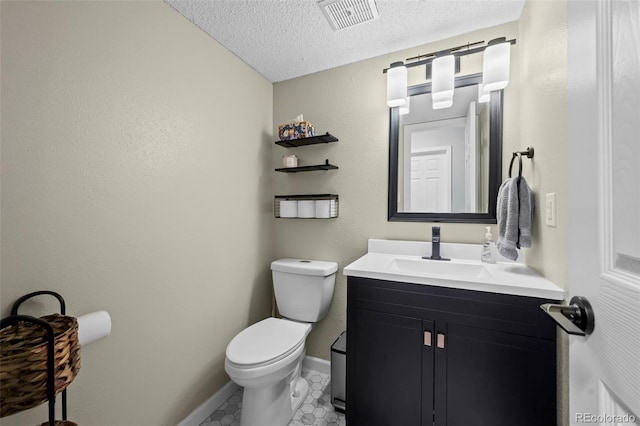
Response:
column 304, row 267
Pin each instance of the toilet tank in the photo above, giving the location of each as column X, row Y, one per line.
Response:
column 303, row 288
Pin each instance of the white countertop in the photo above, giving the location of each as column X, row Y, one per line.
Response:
column 505, row 277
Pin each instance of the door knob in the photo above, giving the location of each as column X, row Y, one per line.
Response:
column 575, row 318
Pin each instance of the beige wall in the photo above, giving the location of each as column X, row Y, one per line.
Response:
column 136, row 178
column 350, row 103
column 543, row 125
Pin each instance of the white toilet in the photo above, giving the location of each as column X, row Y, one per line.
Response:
column 266, row 358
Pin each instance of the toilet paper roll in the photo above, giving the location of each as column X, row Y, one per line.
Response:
column 323, row 209
column 93, row 327
column 288, row 208
column 307, row 208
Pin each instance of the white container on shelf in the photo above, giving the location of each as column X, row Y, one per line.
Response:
column 289, row 161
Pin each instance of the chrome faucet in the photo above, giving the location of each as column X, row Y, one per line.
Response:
column 435, row 245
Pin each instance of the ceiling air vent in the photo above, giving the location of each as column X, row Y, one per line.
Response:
column 342, row 14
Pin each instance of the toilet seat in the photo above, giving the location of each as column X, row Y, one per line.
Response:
column 266, row 342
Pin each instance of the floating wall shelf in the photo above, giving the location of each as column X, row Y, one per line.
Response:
column 325, row 166
column 292, row 143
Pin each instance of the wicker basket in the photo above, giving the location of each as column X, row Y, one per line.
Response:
column 23, row 362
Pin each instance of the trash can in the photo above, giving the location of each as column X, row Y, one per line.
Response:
column 339, row 373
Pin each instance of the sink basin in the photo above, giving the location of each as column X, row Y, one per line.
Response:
column 401, row 261
column 439, row 267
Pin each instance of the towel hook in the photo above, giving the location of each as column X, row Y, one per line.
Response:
column 516, row 154
column 528, row 152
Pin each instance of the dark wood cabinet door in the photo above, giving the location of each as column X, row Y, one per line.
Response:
column 386, row 364
column 430, row 356
column 495, row 379
column 429, row 344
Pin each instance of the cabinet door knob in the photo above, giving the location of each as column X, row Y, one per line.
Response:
column 440, row 342
column 427, row 338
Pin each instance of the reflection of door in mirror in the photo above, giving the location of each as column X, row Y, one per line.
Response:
column 436, row 183
column 471, row 160
column 428, row 186
column 429, row 151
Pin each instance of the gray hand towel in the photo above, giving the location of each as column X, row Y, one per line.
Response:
column 525, row 214
column 515, row 216
column 508, row 219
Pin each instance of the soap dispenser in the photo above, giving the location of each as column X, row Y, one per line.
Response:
column 489, row 252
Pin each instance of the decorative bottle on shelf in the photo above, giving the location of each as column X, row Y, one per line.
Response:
column 489, row 251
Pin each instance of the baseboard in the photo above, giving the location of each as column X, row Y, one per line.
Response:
column 318, row 364
column 210, row 405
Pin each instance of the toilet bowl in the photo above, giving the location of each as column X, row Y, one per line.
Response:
column 266, row 358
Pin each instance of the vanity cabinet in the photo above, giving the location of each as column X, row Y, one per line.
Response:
column 426, row 355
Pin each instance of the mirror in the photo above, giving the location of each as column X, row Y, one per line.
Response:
column 445, row 164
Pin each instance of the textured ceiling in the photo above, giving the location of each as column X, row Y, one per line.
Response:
column 284, row 39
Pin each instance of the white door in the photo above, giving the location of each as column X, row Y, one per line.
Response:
column 431, row 180
column 604, row 208
column 422, row 137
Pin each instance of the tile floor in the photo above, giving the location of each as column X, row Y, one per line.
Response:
column 316, row 409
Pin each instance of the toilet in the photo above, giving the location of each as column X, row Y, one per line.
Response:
column 266, row 358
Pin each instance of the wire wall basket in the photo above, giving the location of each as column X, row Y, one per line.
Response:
column 313, row 206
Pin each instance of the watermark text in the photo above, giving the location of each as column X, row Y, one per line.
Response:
column 605, row 418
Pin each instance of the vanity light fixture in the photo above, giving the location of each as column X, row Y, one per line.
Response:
column 495, row 64
column 443, row 80
column 482, row 95
column 404, row 109
column 442, row 103
column 496, row 58
column 397, row 84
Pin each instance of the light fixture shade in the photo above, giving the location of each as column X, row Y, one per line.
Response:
column 443, row 77
column 404, row 109
column 482, row 95
column 396, row 85
column 442, row 103
column 441, row 96
column 495, row 66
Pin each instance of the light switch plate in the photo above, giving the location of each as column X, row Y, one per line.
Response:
column 550, row 209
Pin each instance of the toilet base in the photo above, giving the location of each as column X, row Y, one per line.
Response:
column 298, row 396
column 273, row 405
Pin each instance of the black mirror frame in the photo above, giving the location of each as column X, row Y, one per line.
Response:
column 495, row 161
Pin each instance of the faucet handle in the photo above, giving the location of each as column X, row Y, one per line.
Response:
column 435, row 233
column 435, row 245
